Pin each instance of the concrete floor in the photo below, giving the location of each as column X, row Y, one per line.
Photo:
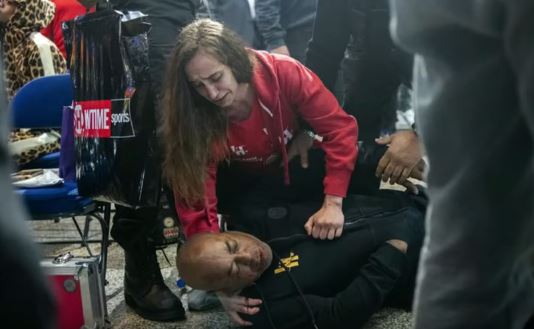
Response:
column 122, row 317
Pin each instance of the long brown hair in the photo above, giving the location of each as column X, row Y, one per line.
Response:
column 194, row 130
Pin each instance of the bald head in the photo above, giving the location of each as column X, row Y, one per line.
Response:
column 196, row 261
column 226, row 261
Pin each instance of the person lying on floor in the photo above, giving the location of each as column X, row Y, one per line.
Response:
column 295, row 281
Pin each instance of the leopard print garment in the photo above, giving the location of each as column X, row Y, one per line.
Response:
column 35, row 152
column 22, row 58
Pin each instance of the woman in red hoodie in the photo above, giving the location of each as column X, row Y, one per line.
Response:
column 231, row 112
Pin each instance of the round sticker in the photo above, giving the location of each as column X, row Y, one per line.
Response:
column 168, row 222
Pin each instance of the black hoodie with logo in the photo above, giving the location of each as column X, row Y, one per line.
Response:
column 341, row 283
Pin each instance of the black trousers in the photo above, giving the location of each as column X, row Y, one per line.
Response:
column 162, row 38
column 236, row 190
column 297, row 40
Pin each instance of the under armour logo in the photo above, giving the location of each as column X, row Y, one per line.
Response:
column 238, row 150
column 287, row 136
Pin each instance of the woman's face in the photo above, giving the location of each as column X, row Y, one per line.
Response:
column 7, row 10
column 212, row 79
column 231, row 261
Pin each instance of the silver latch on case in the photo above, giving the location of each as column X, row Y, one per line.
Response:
column 63, row 258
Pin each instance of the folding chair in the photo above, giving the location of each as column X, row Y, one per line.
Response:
column 39, row 104
column 42, row 100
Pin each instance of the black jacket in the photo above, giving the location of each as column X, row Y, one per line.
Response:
column 346, row 280
column 375, row 67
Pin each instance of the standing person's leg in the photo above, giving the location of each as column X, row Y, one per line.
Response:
column 145, row 290
column 297, row 39
column 373, row 70
column 371, row 86
column 162, row 39
column 475, row 269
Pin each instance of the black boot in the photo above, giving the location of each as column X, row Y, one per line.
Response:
column 144, row 289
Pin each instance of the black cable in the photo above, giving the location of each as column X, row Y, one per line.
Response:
column 292, row 279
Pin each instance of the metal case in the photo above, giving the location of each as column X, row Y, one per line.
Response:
column 78, row 287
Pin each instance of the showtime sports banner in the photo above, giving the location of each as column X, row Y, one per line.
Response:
column 110, row 118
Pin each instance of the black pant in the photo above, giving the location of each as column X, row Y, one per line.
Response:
column 297, row 41
column 162, row 38
column 236, row 190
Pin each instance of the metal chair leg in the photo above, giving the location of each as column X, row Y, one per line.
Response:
column 104, row 226
column 82, row 236
column 86, row 227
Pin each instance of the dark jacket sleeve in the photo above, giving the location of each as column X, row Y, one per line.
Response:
column 354, row 305
column 331, row 34
column 520, row 51
column 268, row 20
column 24, row 293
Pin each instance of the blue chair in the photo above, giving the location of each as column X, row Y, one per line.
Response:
column 42, row 98
column 39, row 104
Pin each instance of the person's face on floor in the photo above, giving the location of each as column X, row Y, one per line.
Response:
column 7, row 10
column 214, row 81
column 226, row 261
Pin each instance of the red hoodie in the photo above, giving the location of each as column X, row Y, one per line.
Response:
column 286, row 90
column 65, row 11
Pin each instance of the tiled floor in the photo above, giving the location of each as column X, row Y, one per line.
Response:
column 122, row 317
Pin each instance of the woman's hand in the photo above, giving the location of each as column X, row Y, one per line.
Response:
column 300, row 145
column 328, row 222
column 235, row 304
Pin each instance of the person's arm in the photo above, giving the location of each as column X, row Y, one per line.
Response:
column 318, row 107
column 202, row 217
column 403, row 158
column 331, row 32
column 268, row 22
column 351, row 307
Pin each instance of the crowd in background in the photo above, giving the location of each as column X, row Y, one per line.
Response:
column 288, row 89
